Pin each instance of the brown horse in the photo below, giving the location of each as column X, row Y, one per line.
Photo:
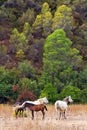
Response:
column 32, row 108
column 39, row 107
column 36, row 108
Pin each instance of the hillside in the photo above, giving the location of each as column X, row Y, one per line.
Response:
column 24, row 28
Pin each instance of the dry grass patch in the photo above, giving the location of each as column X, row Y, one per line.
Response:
column 76, row 119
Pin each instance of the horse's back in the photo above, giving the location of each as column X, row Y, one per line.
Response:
column 60, row 105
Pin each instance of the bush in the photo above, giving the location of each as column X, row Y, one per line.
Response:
column 83, row 95
column 73, row 91
column 26, row 95
column 26, row 69
column 50, row 92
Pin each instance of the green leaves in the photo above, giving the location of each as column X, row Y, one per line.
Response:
column 73, row 91
column 3, row 50
column 19, row 40
column 59, row 60
column 57, row 47
column 50, row 93
column 26, row 68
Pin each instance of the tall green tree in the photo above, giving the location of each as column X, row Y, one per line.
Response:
column 60, row 61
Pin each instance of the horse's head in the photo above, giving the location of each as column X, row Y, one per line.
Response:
column 68, row 99
column 45, row 100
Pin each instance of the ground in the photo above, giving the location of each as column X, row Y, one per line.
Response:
column 76, row 119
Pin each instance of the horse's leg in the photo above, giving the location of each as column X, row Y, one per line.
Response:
column 22, row 112
column 57, row 113
column 64, row 115
column 60, row 115
column 16, row 113
column 32, row 114
column 43, row 114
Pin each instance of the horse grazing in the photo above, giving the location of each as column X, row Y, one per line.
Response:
column 62, row 105
column 20, row 108
column 39, row 107
column 18, row 103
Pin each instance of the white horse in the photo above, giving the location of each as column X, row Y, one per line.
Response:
column 36, row 102
column 39, row 101
column 62, row 105
column 42, row 100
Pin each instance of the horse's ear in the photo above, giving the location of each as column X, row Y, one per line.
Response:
column 69, row 96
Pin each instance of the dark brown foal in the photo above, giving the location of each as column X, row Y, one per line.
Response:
column 20, row 109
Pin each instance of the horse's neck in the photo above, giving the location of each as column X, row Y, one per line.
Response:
column 40, row 101
column 66, row 100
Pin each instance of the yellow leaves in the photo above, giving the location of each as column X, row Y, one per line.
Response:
column 58, row 15
column 63, row 9
column 57, row 20
column 43, row 21
column 62, row 18
column 74, row 51
column 45, row 8
column 47, row 19
column 38, row 21
column 38, row 17
column 20, row 54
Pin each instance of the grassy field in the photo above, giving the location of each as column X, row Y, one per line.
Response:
column 76, row 119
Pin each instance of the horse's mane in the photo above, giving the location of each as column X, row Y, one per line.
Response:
column 65, row 99
column 40, row 100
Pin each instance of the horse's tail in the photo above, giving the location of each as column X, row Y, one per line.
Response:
column 45, row 108
column 56, row 106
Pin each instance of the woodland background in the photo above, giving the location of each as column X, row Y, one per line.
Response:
column 43, row 50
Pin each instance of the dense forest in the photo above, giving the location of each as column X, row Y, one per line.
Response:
column 43, row 50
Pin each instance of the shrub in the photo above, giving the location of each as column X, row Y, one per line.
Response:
column 83, row 95
column 50, row 92
column 73, row 91
column 26, row 95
